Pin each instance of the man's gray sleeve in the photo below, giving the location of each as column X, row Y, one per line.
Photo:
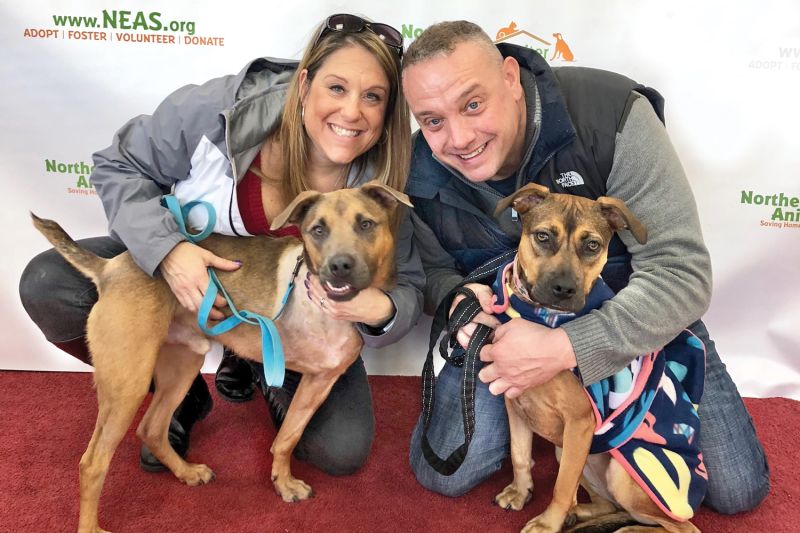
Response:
column 671, row 283
column 407, row 294
column 441, row 275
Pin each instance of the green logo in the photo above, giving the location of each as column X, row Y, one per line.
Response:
column 410, row 32
column 80, row 174
column 784, row 210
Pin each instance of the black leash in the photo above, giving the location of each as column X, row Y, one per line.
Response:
column 462, row 315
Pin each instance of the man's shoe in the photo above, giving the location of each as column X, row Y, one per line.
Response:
column 277, row 398
column 234, row 379
column 194, row 407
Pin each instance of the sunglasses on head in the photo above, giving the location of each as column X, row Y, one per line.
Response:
column 355, row 24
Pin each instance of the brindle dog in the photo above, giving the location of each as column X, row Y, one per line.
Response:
column 137, row 331
column 563, row 249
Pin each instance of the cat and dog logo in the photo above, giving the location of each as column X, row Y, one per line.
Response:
column 560, row 49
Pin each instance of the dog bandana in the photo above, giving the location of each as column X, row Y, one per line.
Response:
column 646, row 414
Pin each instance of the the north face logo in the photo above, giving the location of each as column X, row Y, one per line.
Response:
column 569, row 179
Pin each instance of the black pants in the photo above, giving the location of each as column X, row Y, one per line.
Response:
column 339, row 436
column 58, row 299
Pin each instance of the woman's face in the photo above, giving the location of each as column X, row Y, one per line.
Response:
column 344, row 105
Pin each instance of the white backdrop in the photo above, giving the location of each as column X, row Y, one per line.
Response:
column 730, row 75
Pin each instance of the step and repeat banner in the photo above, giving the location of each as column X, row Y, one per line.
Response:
column 74, row 72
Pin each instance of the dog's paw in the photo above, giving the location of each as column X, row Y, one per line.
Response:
column 291, row 489
column 513, row 498
column 196, row 474
column 542, row 524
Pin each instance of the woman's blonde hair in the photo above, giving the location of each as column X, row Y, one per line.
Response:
column 389, row 157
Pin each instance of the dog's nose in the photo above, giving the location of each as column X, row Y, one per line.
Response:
column 563, row 290
column 341, row 266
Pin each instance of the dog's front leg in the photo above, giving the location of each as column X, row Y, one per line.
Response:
column 577, row 440
column 593, row 481
column 520, row 491
column 312, row 391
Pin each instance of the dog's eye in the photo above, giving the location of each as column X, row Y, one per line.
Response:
column 592, row 246
column 366, row 224
column 318, row 230
column 541, row 236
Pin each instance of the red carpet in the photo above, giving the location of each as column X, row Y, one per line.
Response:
column 48, row 419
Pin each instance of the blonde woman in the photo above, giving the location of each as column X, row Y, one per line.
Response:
column 248, row 144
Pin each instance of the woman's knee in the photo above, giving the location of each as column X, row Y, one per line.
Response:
column 50, row 286
column 40, row 277
column 50, row 290
column 341, row 454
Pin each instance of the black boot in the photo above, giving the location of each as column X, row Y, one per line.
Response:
column 277, row 398
column 234, row 380
column 194, row 407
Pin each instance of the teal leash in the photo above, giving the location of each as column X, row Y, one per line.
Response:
column 181, row 213
column 271, row 347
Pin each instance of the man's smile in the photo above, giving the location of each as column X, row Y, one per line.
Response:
column 473, row 153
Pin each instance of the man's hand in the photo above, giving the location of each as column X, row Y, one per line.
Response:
column 184, row 269
column 524, row 354
column 370, row 306
column 485, row 317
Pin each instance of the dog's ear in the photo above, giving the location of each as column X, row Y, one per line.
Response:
column 296, row 210
column 620, row 217
column 524, row 199
column 385, row 195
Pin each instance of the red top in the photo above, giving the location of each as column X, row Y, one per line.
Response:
column 248, row 193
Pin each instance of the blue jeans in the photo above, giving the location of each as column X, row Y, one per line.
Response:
column 738, row 474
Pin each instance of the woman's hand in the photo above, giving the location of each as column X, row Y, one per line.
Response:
column 370, row 306
column 184, row 269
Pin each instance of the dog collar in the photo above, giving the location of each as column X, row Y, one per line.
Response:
column 519, row 288
column 512, row 299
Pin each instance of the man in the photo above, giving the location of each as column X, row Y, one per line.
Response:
column 493, row 118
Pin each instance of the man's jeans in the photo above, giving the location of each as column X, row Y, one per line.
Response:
column 738, row 474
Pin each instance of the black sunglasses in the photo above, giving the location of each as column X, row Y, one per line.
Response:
column 355, row 24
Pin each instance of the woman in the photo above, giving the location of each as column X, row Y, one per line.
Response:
column 248, row 143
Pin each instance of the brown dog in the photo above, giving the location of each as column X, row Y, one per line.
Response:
column 137, row 332
column 563, row 250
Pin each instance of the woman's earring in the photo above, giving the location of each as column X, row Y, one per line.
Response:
column 303, row 114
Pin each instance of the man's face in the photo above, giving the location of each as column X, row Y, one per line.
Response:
column 470, row 109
